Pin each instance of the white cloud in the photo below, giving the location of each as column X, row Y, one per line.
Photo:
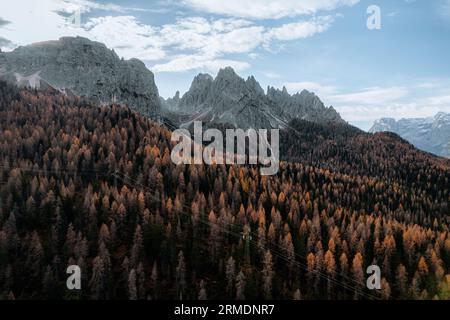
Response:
column 370, row 113
column 127, row 36
column 212, row 40
column 267, row 9
column 370, row 104
column 192, row 62
column 3, row 22
column 272, row 75
column 428, row 85
column 187, row 43
column 317, row 88
column 34, row 21
column 395, row 102
column 299, row 30
column 373, row 103
column 372, row 96
column 444, row 8
column 211, row 37
column 439, row 100
column 83, row 6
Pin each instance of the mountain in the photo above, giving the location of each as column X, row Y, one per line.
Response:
column 78, row 66
column 228, row 99
column 82, row 67
column 430, row 134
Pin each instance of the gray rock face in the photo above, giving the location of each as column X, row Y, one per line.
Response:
column 85, row 68
column 170, row 102
column 197, row 94
column 429, row 134
column 230, row 100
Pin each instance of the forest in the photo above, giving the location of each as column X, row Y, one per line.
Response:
column 94, row 186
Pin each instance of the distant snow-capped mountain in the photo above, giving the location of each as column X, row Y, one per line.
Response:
column 430, row 134
column 228, row 99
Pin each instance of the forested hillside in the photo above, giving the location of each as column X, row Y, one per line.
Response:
column 95, row 186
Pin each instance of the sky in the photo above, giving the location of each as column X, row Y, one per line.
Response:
column 399, row 70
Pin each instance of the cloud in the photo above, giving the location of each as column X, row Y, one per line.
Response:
column 394, row 102
column 267, row 9
column 428, row 85
column 300, row 30
column 392, row 14
column 439, row 101
column 370, row 113
column 193, row 62
column 195, row 43
column 188, row 43
column 373, row 103
column 211, row 37
column 5, row 43
column 84, row 6
column 372, row 96
column 317, row 88
column 126, row 35
column 34, row 21
column 211, row 40
column 444, row 8
column 3, row 22
column 272, row 75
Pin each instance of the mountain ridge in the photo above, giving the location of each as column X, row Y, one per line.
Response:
column 229, row 99
column 431, row 134
column 83, row 67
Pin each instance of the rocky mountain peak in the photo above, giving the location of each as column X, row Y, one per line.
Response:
column 442, row 116
column 227, row 79
column 201, row 80
column 86, row 68
column 229, row 99
column 306, row 97
column 254, row 85
column 227, row 73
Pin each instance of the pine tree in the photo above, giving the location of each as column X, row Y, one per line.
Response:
column 230, row 274
column 141, row 279
column 35, row 256
column 132, row 290
column 240, row 286
column 358, row 273
column 330, row 267
column 136, row 251
column 97, row 283
column 297, row 295
column 202, row 293
column 180, row 275
column 267, row 274
column 154, row 280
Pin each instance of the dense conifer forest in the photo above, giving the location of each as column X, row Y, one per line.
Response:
column 94, row 186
